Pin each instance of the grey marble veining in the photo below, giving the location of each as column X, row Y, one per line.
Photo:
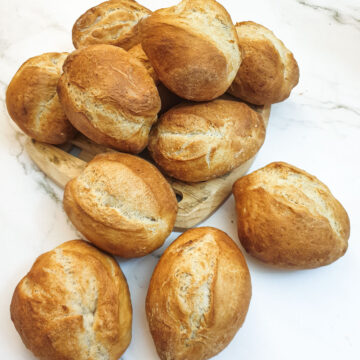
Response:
column 340, row 16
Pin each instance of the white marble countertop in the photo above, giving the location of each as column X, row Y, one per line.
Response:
column 312, row 314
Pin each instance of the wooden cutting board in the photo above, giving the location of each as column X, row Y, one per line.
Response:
column 196, row 201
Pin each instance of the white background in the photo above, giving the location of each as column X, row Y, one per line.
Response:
column 312, row 314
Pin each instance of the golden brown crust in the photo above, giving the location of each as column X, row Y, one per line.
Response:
column 112, row 22
column 197, row 142
column 32, row 101
column 198, row 296
column 288, row 218
column 122, row 204
column 268, row 71
column 109, row 96
column 74, row 304
column 193, row 48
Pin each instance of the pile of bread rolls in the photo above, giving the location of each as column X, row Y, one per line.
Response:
column 130, row 65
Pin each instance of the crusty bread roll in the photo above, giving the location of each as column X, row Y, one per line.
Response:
column 198, row 296
column 109, row 96
column 32, row 101
column 73, row 304
column 122, row 204
column 197, row 142
column 193, row 48
column 288, row 218
column 113, row 22
column 268, row 71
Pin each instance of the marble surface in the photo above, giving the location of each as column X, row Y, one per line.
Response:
column 313, row 314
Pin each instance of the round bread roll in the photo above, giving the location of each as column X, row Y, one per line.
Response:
column 268, row 71
column 199, row 295
column 109, row 96
column 113, row 22
column 122, row 204
column 197, row 142
column 193, row 48
column 33, row 103
column 288, row 218
column 74, row 304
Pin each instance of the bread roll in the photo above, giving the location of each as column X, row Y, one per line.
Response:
column 197, row 142
column 122, row 204
column 32, row 101
column 198, row 296
column 109, row 96
column 193, row 48
column 268, row 71
column 74, row 304
column 288, row 218
column 113, row 22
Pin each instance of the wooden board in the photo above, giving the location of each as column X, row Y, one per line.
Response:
column 196, row 201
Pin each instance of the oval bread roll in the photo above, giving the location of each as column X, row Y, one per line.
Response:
column 197, row 142
column 73, row 304
column 113, row 22
column 193, row 48
column 268, row 71
column 198, row 296
column 288, row 218
column 109, row 96
column 33, row 103
column 122, row 204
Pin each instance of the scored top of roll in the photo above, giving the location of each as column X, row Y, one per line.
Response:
column 73, row 304
column 108, row 95
column 193, row 47
column 113, row 22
